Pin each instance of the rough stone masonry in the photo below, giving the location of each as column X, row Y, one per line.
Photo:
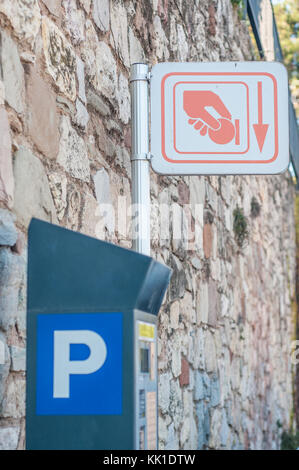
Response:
column 227, row 322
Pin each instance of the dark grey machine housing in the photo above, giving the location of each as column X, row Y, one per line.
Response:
column 73, row 273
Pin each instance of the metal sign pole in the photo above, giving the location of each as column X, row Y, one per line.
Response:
column 140, row 158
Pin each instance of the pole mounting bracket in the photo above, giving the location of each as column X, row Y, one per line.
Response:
column 141, row 156
column 136, row 76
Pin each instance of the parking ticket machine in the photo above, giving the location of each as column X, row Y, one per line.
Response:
column 146, row 381
column 91, row 342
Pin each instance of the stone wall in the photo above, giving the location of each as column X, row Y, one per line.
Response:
column 226, row 324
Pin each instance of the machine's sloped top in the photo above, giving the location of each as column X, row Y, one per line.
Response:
column 70, row 272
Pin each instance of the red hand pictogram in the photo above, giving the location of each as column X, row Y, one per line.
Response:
column 195, row 103
column 221, row 131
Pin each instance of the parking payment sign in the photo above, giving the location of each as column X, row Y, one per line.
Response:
column 219, row 118
column 79, row 364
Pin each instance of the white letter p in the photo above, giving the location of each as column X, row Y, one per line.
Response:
column 64, row 367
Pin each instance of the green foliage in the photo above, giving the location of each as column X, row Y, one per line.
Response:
column 287, row 19
column 289, row 441
column 240, row 227
column 239, row 5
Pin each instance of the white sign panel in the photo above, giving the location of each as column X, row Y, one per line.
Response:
column 219, row 118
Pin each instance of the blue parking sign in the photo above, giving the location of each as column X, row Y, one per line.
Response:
column 79, row 364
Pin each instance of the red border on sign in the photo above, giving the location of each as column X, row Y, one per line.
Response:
column 209, row 74
column 211, row 153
